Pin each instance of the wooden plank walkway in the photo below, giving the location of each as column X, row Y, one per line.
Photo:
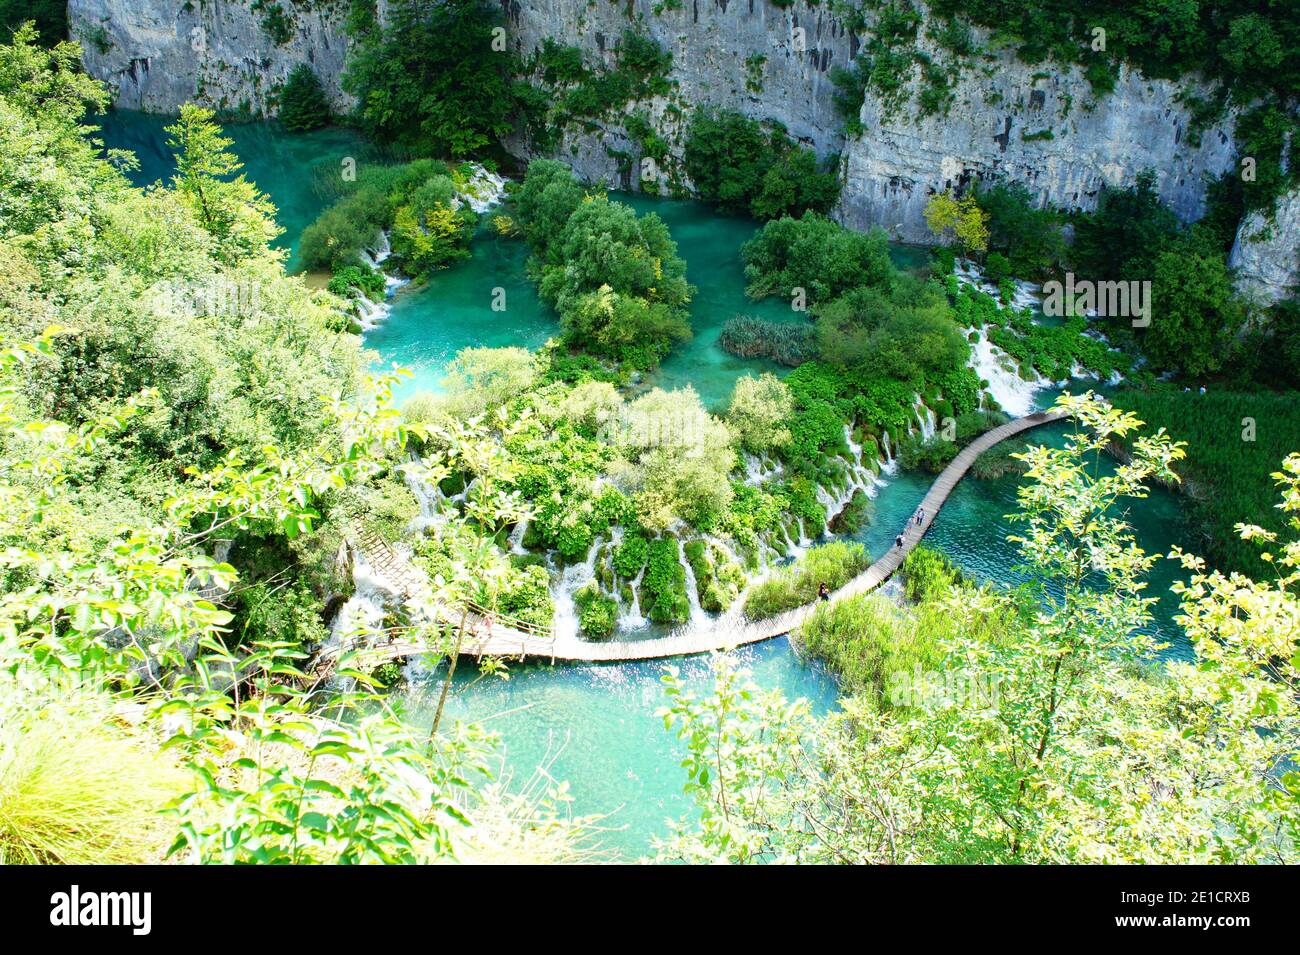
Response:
column 732, row 629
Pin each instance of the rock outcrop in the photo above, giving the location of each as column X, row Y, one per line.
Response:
column 1265, row 254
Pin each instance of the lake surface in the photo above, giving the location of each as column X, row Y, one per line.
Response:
column 595, row 726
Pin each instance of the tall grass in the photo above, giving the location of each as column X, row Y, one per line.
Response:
column 835, row 564
column 78, row 783
column 786, row 343
column 864, row 641
column 1227, row 476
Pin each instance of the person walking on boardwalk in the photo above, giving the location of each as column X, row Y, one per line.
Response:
column 823, row 592
column 920, row 516
column 898, row 541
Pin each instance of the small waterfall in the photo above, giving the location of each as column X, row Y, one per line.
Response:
column 924, row 418
column 572, row 579
column 692, row 589
column 428, row 496
column 517, row 537
column 633, row 619
column 371, row 315
column 483, row 190
column 759, row 469
column 362, row 614
column 1013, row 393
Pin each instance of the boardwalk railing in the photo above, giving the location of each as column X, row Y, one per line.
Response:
column 731, row 629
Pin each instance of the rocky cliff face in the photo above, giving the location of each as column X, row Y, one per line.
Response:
column 158, row 54
column 1043, row 129
column 1007, row 119
column 1267, row 255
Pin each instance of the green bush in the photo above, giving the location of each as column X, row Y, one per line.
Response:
column 867, row 642
column 362, row 278
column 597, row 614
column 928, row 574
column 665, row 582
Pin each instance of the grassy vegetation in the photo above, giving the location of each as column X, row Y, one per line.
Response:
column 1227, row 472
column 79, row 785
column 867, row 641
column 833, row 564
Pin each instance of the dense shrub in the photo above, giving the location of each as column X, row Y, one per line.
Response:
column 870, row 645
column 665, row 582
column 597, row 614
column 413, row 200
column 817, row 255
column 303, row 105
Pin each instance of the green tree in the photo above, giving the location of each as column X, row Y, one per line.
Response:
column 303, row 105
column 238, row 217
column 760, row 412
column 1195, row 313
column 434, row 79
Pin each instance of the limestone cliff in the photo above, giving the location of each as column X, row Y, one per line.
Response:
column 1040, row 126
column 158, row 54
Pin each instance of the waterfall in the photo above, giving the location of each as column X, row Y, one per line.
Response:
column 1012, row 392
column 572, row 579
column 633, row 619
column 428, row 496
column 759, row 469
column 692, row 589
column 362, row 614
column 517, row 537
column 370, row 315
column 924, row 418
column 483, row 190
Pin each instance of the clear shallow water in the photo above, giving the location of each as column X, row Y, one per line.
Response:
column 594, row 726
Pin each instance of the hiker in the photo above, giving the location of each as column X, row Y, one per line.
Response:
column 898, row 541
column 920, row 516
column 823, row 592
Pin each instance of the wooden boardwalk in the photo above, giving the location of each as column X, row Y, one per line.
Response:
column 732, row 629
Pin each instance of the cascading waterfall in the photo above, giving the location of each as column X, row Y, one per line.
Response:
column 759, row 469
column 517, row 537
column 1014, row 393
column 373, row 314
column 632, row 618
column 362, row 614
column 692, row 589
column 572, row 579
column 924, row 417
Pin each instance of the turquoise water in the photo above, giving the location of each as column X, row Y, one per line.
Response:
column 429, row 323
column 594, row 726
column 300, row 172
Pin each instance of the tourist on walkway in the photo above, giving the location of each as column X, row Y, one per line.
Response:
column 823, row 592
column 898, row 541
